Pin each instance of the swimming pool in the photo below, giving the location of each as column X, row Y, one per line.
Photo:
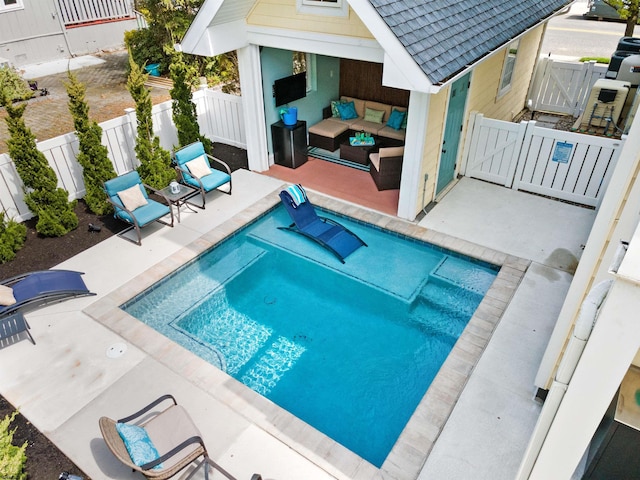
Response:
column 291, row 321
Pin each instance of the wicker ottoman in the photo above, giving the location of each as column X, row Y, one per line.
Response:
column 328, row 134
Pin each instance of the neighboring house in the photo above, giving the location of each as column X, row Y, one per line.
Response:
column 38, row 31
column 443, row 59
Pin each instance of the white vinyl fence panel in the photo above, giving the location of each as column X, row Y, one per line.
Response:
column 219, row 116
column 564, row 165
column 563, row 87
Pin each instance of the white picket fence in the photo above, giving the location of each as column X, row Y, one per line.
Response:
column 76, row 12
column 563, row 87
column 523, row 156
column 219, row 116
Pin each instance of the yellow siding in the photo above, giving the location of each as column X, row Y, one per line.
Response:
column 283, row 14
column 486, row 79
column 432, row 141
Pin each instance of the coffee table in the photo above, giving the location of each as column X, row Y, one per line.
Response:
column 357, row 153
column 178, row 199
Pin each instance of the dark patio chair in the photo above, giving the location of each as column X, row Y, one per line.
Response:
column 333, row 236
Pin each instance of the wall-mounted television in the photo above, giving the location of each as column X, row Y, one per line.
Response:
column 291, row 88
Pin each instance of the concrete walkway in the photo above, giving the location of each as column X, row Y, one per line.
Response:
column 74, row 374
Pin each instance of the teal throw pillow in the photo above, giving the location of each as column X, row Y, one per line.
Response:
column 375, row 116
column 347, row 111
column 396, row 118
column 334, row 108
column 139, row 446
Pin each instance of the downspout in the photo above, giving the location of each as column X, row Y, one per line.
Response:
column 63, row 28
column 581, row 332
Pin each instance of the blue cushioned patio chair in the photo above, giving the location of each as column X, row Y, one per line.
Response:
column 220, row 173
column 36, row 289
column 333, row 236
column 152, row 211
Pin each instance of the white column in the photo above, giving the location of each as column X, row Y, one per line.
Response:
column 609, row 352
column 413, row 151
column 253, row 107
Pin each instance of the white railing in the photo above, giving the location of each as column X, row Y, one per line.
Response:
column 219, row 115
column 77, row 12
column 564, row 165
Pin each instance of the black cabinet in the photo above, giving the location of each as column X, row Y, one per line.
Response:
column 289, row 143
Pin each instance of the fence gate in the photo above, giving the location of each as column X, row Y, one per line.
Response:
column 563, row 87
column 564, row 165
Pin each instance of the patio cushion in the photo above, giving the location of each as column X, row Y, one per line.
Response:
column 123, row 182
column 6, row 296
column 138, row 444
column 329, row 128
column 146, row 214
column 199, row 167
column 132, row 198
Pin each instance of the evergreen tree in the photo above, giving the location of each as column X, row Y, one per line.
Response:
column 92, row 155
column 155, row 162
column 46, row 201
column 183, row 108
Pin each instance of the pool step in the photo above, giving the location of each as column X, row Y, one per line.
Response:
column 273, row 362
column 462, row 274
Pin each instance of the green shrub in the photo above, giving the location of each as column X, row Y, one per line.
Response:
column 92, row 155
column 604, row 60
column 12, row 237
column 12, row 458
column 13, row 86
column 46, row 201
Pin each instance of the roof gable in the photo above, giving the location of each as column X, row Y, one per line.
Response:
column 445, row 36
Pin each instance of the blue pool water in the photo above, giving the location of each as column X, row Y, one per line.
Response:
column 350, row 349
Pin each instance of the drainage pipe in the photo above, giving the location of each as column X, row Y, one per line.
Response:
column 581, row 332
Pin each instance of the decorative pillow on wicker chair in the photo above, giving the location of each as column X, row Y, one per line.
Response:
column 199, row 167
column 6, row 296
column 139, row 446
column 132, row 198
column 374, row 116
column 347, row 111
column 396, row 119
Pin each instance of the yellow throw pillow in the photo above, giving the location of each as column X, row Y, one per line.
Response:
column 6, row 296
column 132, row 198
column 199, row 167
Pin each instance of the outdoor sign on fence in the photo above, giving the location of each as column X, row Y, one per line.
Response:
column 562, row 153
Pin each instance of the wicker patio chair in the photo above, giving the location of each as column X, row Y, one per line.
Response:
column 172, row 433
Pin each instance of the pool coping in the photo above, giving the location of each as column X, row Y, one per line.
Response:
column 410, row 452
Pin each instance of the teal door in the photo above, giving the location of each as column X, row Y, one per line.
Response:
column 452, row 132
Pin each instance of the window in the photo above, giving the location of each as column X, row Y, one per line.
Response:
column 306, row 62
column 9, row 5
column 338, row 8
column 508, row 68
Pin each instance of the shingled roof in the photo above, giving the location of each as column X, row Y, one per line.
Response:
column 444, row 36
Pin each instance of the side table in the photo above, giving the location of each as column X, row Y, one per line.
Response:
column 178, row 199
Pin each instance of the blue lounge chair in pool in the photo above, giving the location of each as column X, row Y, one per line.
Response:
column 36, row 289
column 339, row 240
column 201, row 171
column 131, row 204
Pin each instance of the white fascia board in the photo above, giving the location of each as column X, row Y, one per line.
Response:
column 226, row 37
column 394, row 76
column 196, row 36
column 403, row 63
column 318, row 43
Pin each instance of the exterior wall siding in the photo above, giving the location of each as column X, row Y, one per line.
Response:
column 486, row 78
column 283, row 14
column 432, row 147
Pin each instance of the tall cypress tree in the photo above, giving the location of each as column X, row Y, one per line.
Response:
column 46, row 201
column 183, row 108
column 92, row 155
column 155, row 162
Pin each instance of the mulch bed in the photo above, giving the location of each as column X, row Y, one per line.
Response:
column 44, row 460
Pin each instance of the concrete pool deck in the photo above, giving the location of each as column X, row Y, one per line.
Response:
column 67, row 381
